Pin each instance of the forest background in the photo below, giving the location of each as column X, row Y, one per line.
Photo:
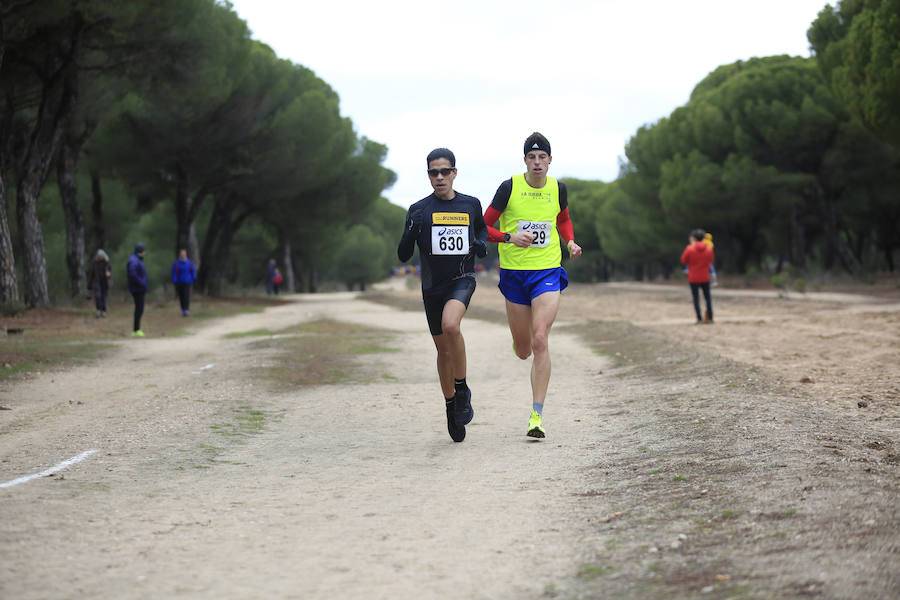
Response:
column 165, row 122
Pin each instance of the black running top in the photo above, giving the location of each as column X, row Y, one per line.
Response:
column 447, row 232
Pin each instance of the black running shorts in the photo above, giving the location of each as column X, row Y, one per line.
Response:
column 459, row 289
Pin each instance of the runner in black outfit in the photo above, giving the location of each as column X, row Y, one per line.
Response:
column 449, row 230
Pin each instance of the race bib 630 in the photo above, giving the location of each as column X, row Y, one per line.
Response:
column 449, row 240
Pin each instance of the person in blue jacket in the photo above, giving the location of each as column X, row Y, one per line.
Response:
column 137, row 285
column 183, row 276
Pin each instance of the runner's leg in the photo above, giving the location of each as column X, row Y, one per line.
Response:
column 451, row 347
column 519, row 317
column 544, row 310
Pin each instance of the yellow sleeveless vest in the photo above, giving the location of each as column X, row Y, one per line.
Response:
column 535, row 210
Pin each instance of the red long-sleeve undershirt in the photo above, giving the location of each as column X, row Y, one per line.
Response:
column 563, row 225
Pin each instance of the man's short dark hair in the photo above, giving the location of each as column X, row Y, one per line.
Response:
column 698, row 234
column 537, row 141
column 440, row 153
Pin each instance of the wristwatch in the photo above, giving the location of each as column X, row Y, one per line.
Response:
column 506, row 237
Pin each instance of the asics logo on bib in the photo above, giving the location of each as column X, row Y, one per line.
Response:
column 453, row 231
column 540, row 229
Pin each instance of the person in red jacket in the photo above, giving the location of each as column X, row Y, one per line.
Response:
column 699, row 257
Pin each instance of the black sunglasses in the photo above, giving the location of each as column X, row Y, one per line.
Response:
column 444, row 172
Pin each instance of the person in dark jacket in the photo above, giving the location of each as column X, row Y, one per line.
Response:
column 183, row 276
column 698, row 257
column 98, row 281
column 270, row 276
column 137, row 285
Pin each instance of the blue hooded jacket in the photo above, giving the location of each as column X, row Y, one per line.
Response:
column 137, row 275
column 183, row 272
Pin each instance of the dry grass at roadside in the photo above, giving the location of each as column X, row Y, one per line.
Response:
column 48, row 338
column 321, row 352
column 726, row 478
column 413, row 303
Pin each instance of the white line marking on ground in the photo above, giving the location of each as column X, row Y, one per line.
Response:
column 50, row 471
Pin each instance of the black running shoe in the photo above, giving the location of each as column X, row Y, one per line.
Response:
column 463, row 411
column 457, row 432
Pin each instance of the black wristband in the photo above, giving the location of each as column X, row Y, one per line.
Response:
column 506, row 237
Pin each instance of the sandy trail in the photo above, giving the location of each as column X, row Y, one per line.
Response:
column 352, row 491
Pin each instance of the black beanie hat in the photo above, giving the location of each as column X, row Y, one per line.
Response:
column 139, row 247
column 536, row 141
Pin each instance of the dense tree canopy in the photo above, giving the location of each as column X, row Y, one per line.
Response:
column 765, row 157
column 165, row 123
column 168, row 124
column 857, row 46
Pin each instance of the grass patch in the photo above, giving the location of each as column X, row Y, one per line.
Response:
column 591, row 572
column 247, row 421
column 21, row 356
column 325, row 352
column 58, row 337
column 252, row 333
column 374, row 350
column 412, row 303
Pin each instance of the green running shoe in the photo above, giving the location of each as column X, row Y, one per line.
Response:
column 535, row 425
column 137, row 333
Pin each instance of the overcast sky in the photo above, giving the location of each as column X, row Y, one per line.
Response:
column 479, row 76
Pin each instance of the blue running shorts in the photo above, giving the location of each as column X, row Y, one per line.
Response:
column 521, row 287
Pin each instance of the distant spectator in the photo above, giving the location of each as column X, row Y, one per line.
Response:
column 98, row 281
column 183, row 276
column 698, row 257
column 270, row 275
column 713, row 280
column 277, row 279
column 137, row 285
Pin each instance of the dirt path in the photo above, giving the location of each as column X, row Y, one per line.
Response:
column 352, row 491
column 671, row 470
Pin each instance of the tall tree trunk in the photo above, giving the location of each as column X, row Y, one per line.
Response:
column 798, row 235
column 193, row 245
column 98, row 229
column 833, row 243
column 59, row 94
column 290, row 281
column 34, row 258
column 182, row 210
column 313, row 278
column 211, row 273
column 9, row 288
column 66, row 166
column 639, row 273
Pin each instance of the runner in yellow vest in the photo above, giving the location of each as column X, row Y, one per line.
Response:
column 533, row 211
